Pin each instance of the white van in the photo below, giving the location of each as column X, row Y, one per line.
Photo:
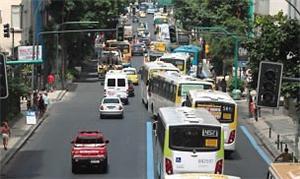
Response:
column 116, row 84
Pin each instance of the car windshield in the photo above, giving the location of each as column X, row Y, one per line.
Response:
column 88, row 140
column 111, row 100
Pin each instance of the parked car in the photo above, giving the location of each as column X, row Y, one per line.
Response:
column 138, row 49
column 111, row 106
column 89, row 150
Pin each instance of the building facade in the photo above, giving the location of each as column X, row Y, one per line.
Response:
column 272, row 7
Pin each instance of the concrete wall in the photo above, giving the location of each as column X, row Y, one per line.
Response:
column 6, row 43
column 27, row 20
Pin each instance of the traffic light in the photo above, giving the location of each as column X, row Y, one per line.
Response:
column 269, row 84
column 6, row 30
column 206, row 48
column 172, row 32
column 120, row 33
column 3, row 78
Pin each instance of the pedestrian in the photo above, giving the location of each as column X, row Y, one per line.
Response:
column 41, row 105
column 285, row 156
column 5, row 131
column 223, row 84
column 50, row 81
column 46, row 101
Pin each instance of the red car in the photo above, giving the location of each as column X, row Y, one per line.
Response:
column 89, row 150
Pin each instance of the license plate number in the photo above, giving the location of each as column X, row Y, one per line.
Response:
column 95, row 161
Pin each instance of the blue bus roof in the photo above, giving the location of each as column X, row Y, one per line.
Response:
column 187, row 48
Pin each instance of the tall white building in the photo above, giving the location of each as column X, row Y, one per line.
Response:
column 10, row 13
column 272, row 7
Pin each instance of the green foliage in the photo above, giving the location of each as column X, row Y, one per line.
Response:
column 240, row 84
column 231, row 15
column 276, row 36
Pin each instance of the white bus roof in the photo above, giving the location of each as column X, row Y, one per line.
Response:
column 285, row 170
column 200, row 176
column 160, row 65
column 178, row 78
column 181, row 55
column 210, row 95
column 187, row 116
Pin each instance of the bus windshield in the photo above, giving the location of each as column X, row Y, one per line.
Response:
column 159, row 70
column 176, row 62
column 224, row 112
column 185, row 88
column 195, row 138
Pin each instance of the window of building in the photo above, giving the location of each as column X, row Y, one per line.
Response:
column 16, row 20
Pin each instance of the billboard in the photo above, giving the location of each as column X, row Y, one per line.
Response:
column 25, row 53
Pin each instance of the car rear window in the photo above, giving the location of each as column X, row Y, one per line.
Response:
column 111, row 82
column 111, row 100
column 89, row 140
column 121, row 82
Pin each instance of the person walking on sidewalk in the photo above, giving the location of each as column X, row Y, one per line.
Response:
column 5, row 131
column 46, row 101
column 41, row 105
column 284, row 157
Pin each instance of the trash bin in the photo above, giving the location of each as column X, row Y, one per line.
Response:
column 236, row 94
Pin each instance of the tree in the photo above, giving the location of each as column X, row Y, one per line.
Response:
column 276, row 36
column 232, row 15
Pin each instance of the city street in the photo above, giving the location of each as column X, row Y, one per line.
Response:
column 47, row 153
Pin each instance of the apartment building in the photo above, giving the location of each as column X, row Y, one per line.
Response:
column 11, row 13
column 272, row 7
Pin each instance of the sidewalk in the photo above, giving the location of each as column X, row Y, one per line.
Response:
column 275, row 130
column 20, row 131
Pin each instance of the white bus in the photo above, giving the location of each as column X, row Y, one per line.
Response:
column 147, row 71
column 222, row 106
column 187, row 140
column 167, row 89
column 181, row 60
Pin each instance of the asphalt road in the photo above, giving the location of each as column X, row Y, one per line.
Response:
column 47, row 153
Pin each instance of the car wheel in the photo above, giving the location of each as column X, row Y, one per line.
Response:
column 121, row 116
column 101, row 116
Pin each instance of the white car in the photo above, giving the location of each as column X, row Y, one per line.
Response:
column 111, row 106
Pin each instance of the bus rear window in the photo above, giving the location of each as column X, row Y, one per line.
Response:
column 185, row 88
column 195, row 138
column 224, row 112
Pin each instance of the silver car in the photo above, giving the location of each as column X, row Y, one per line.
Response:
column 111, row 106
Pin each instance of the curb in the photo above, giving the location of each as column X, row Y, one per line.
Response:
column 20, row 143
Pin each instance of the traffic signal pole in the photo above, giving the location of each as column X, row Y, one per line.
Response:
column 236, row 47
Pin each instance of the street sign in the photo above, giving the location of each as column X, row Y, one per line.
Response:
column 30, row 117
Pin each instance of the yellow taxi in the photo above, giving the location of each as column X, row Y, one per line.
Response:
column 131, row 75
